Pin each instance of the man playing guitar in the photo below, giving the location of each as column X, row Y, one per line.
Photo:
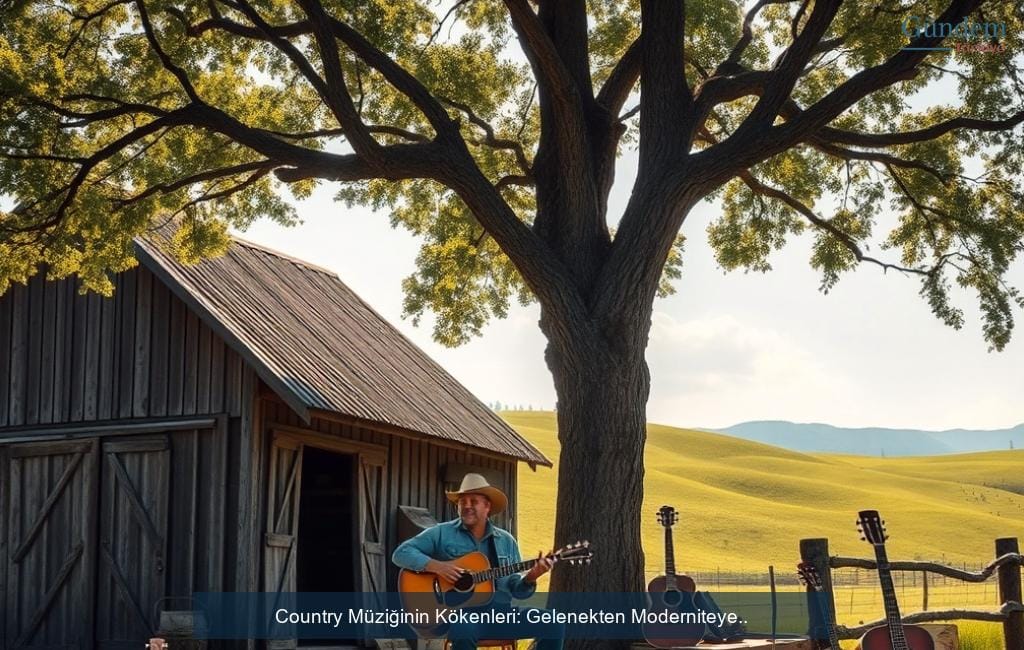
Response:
column 434, row 549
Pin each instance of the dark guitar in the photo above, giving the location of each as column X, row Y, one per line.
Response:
column 671, row 593
column 894, row 635
column 425, row 591
column 810, row 577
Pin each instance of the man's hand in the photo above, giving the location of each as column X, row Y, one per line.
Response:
column 544, row 564
column 447, row 570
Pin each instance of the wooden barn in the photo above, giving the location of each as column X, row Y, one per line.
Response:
column 246, row 424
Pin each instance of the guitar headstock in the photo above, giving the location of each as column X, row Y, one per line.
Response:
column 667, row 516
column 578, row 553
column 872, row 527
column 809, row 575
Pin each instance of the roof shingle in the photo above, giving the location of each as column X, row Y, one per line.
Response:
column 320, row 346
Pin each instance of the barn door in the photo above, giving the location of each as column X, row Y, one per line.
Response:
column 372, row 536
column 48, row 528
column 281, row 539
column 133, row 540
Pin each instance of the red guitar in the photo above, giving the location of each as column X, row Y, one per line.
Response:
column 894, row 635
column 671, row 593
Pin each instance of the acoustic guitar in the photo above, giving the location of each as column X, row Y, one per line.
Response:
column 810, row 577
column 894, row 635
column 426, row 591
column 671, row 593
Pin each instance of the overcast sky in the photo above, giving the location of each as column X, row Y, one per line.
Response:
column 727, row 347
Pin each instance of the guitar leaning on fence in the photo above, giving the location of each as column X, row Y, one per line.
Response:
column 425, row 591
column 810, row 577
column 894, row 635
column 671, row 593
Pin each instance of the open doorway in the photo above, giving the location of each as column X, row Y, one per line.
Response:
column 326, row 553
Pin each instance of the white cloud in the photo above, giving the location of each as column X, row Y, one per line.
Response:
column 719, row 370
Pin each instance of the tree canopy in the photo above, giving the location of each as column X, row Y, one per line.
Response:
column 491, row 130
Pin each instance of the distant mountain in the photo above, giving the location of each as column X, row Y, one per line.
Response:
column 874, row 441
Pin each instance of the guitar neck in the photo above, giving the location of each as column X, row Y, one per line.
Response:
column 830, row 620
column 892, row 608
column 502, row 571
column 670, row 560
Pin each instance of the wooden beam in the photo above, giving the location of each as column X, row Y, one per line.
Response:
column 413, row 435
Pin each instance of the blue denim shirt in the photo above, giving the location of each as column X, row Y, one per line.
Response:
column 450, row 539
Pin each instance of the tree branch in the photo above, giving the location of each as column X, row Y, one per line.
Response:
column 900, row 66
column 209, row 175
column 565, row 23
column 619, row 84
column 790, row 65
column 490, row 139
column 234, row 189
column 551, row 73
column 876, row 140
column 401, row 79
column 71, row 190
column 884, row 158
column 397, row 76
column 338, row 97
column 822, row 224
column 718, row 163
column 278, row 37
column 168, row 64
column 746, row 37
column 664, row 127
column 512, row 179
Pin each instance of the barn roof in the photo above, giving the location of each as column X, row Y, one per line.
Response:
column 319, row 346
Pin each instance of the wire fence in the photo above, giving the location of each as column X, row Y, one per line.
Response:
column 858, row 596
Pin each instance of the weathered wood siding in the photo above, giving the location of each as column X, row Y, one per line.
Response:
column 152, row 497
column 66, row 357
column 123, row 521
column 414, row 475
column 135, row 460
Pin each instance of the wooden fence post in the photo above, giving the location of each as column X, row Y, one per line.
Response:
column 924, row 575
column 1009, row 589
column 815, row 551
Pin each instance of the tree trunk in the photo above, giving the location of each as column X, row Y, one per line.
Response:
column 602, row 398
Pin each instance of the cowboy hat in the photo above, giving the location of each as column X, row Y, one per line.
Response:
column 476, row 484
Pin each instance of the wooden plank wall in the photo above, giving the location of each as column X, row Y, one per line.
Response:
column 68, row 358
column 202, row 540
column 414, row 473
column 141, row 356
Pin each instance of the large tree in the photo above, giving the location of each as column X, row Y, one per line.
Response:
column 492, row 130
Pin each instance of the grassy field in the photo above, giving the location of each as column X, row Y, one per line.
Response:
column 745, row 505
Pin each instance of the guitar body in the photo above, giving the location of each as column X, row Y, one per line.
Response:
column 662, row 598
column 422, row 591
column 878, row 638
column 671, row 593
column 429, row 592
column 445, row 594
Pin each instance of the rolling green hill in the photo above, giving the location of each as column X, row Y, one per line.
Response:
column 744, row 505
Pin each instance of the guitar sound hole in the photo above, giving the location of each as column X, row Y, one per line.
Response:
column 672, row 598
column 465, row 583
